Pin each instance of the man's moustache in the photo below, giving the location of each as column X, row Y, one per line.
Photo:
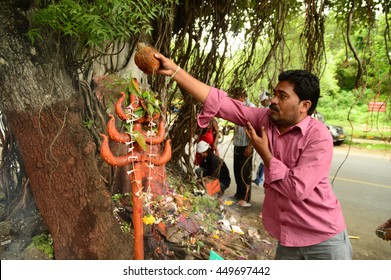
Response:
column 274, row 107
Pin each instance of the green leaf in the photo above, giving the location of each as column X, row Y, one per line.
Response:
column 139, row 138
column 139, row 112
column 133, row 87
column 151, row 109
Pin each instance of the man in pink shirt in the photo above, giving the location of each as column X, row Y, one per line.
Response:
column 300, row 208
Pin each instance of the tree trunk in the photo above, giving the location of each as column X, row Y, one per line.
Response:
column 39, row 100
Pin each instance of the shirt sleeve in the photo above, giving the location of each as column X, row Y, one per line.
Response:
column 219, row 104
column 211, row 106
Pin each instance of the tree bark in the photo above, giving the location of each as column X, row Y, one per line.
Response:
column 38, row 97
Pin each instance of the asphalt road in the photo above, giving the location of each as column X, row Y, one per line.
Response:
column 362, row 182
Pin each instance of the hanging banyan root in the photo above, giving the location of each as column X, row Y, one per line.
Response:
column 145, row 59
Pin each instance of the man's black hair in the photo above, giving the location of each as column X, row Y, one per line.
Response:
column 305, row 85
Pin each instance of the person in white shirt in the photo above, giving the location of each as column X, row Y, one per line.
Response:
column 264, row 100
column 243, row 152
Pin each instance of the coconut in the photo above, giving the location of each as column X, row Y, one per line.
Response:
column 145, row 59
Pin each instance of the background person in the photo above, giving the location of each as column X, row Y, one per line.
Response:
column 264, row 103
column 243, row 152
column 213, row 166
column 210, row 135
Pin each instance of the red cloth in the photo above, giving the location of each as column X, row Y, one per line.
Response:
column 208, row 137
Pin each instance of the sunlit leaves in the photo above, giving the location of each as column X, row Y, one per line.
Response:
column 94, row 23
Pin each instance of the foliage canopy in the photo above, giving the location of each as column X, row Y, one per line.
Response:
column 238, row 43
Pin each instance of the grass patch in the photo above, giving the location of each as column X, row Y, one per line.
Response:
column 386, row 146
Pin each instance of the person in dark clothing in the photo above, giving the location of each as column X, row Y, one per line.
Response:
column 210, row 136
column 213, row 166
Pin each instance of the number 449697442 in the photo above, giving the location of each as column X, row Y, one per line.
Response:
column 244, row 270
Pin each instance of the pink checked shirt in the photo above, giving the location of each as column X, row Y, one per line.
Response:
column 300, row 207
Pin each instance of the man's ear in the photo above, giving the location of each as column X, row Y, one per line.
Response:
column 305, row 106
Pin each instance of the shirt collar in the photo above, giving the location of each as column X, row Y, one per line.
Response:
column 303, row 125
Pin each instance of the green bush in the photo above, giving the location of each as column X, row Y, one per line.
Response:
column 349, row 109
column 44, row 243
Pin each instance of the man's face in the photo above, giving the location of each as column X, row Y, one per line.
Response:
column 286, row 109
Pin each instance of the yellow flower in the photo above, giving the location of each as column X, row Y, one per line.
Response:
column 149, row 219
column 228, row 202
